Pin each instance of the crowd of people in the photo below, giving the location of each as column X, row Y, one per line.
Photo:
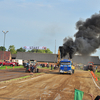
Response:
column 33, row 67
column 47, row 65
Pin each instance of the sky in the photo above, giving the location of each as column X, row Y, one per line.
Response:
column 43, row 22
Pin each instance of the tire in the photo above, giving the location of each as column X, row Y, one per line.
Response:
column 11, row 65
column 59, row 71
column 73, row 71
column 70, row 73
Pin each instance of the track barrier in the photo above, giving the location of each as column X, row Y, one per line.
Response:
column 94, row 75
column 96, row 79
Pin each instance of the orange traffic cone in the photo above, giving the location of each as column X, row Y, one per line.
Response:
column 96, row 79
column 93, row 74
column 13, row 67
column 6, row 67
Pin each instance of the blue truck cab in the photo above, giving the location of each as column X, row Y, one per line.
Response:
column 66, row 66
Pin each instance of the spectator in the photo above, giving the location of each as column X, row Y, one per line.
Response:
column 96, row 67
column 35, row 67
column 23, row 63
column 27, row 65
column 51, row 66
column 47, row 65
column 32, row 68
column 54, row 66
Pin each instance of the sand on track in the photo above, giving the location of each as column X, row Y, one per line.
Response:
column 50, row 86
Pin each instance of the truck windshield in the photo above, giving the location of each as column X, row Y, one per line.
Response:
column 90, row 64
column 65, row 63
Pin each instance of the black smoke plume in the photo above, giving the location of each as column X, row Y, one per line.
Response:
column 87, row 38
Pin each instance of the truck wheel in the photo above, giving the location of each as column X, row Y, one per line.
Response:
column 70, row 73
column 73, row 71
column 11, row 65
column 15, row 65
column 59, row 71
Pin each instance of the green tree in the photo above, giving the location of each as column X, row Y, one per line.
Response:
column 12, row 49
column 40, row 51
column 33, row 50
column 21, row 50
column 48, row 51
column 2, row 48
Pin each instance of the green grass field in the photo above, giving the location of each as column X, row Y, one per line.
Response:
column 9, row 67
column 98, row 75
column 27, row 76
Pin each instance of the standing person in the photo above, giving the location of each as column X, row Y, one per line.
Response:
column 27, row 67
column 35, row 67
column 32, row 68
column 96, row 67
column 47, row 65
column 51, row 66
column 54, row 66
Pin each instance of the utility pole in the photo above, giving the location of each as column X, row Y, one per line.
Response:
column 55, row 46
column 4, row 44
column 55, row 53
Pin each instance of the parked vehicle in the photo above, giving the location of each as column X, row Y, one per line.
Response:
column 16, row 63
column 7, row 63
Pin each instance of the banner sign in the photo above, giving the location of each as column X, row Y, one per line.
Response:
column 32, row 47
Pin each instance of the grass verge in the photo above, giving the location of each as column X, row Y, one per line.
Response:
column 98, row 75
column 36, row 74
column 9, row 67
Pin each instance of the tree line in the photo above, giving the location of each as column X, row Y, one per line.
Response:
column 14, row 51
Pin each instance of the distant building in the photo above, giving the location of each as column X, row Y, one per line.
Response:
column 52, row 58
column 7, row 56
column 39, row 57
column 85, row 59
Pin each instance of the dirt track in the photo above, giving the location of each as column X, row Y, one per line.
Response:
column 14, row 73
column 50, row 86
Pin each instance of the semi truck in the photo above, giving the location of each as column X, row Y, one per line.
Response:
column 66, row 66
